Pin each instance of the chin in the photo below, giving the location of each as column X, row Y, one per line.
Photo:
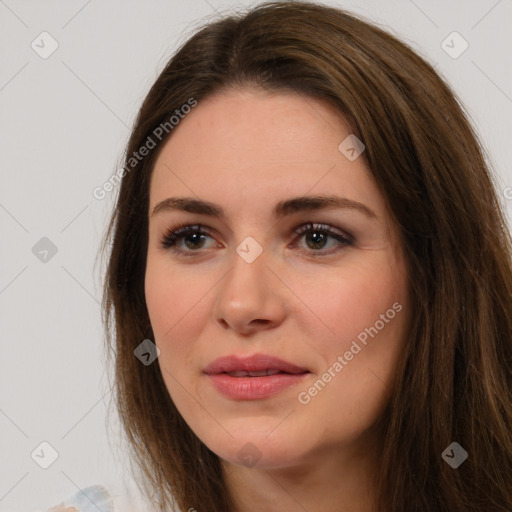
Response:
column 258, row 449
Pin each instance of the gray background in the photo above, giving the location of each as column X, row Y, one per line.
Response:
column 63, row 125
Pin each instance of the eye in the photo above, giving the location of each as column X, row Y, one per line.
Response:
column 195, row 235
column 316, row 237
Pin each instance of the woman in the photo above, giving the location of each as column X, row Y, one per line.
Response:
column 309, row 262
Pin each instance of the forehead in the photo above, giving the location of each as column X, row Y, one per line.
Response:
column 247, row 147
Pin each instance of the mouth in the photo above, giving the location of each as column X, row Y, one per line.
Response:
column 251, row 378
column 260, row 373
column 257, row 365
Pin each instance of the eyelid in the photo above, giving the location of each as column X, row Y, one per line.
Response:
column 180, row 231
column 327, row 228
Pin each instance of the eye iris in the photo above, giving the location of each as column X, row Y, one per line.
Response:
column 317, row 238
column 196, row 237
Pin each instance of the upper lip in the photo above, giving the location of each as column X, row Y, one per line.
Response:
column 254, row 363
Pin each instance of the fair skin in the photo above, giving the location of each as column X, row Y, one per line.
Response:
column 245, row 151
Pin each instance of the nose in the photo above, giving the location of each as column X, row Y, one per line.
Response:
column 250, row 297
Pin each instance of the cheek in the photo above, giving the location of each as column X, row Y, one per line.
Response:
column 171, row 295
column 364, row 321
column 343, row 305
column 175, row 303
column 172, row 301
column 369, row 314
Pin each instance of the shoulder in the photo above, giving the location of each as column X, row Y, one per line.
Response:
column 91, row 499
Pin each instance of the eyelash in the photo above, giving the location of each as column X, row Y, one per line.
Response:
column 168, row 241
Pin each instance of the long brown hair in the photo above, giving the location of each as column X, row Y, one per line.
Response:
column 454, row 382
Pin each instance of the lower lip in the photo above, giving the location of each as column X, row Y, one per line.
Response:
column 254, row 388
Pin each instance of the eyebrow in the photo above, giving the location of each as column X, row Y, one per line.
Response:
column 281, row 209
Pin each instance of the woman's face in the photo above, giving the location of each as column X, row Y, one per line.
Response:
column 278, row 340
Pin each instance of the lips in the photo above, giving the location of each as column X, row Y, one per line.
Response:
column 261, row 373
column 257, row 377
column 258, row 365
